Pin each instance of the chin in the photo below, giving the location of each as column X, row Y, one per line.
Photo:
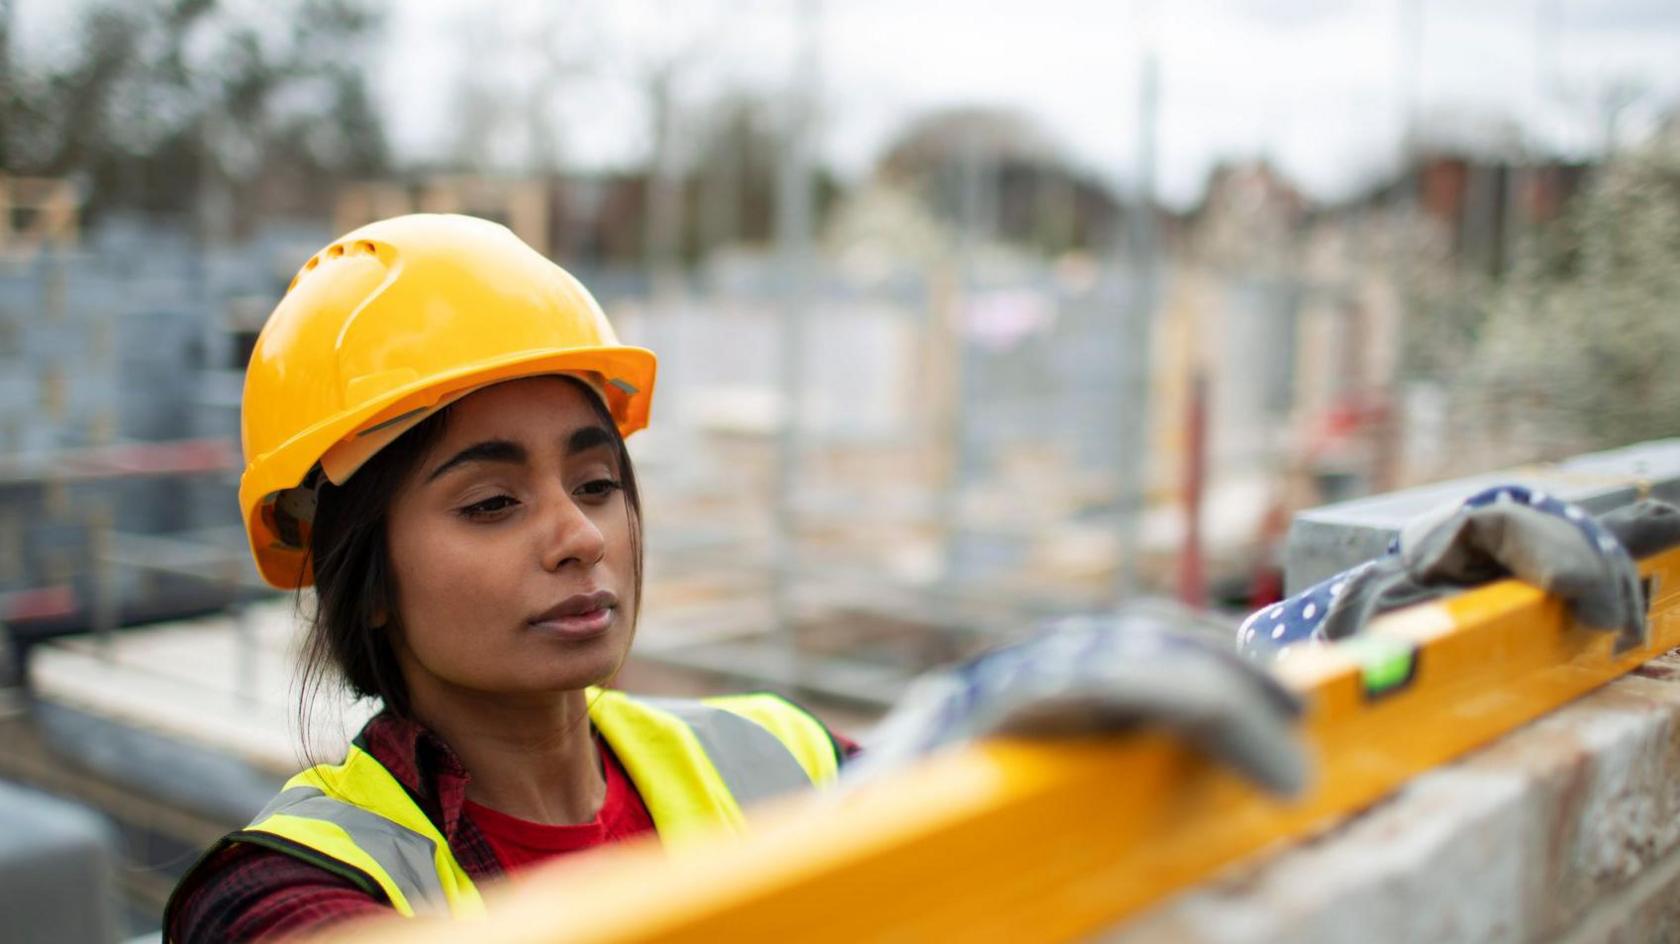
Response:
column 581, row 671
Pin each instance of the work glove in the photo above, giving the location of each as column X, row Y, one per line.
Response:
column 1505, row 531
column 1152, row 664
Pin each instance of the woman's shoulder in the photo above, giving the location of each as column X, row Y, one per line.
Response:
column 844, row 748
column 242, row 892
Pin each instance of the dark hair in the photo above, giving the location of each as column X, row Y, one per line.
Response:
column 354, row 585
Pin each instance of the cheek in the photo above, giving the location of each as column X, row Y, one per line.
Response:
column 445, row 583
column 620, row 535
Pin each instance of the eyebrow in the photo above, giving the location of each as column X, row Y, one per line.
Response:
column 588, row 437
column 490, row 450
column 510, row 452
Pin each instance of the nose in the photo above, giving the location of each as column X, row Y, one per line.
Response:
column 569, row 535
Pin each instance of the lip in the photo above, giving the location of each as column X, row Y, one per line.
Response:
column 579, row 616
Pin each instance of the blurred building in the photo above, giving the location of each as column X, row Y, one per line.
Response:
column 995, row 172
column 121, row 354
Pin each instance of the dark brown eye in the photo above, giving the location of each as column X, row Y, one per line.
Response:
column 599, row 488
column 489, row 507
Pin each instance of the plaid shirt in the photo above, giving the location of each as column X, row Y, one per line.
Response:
column 245, row 892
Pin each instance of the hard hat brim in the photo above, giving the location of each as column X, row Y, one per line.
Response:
column 629, row 371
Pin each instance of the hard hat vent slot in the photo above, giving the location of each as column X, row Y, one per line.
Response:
column 336, row 250
column 312, row 263
column 367, row 247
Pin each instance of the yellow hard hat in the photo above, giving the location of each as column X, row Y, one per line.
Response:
column 388, row 324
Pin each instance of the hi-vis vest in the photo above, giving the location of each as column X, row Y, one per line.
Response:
column 695, row 764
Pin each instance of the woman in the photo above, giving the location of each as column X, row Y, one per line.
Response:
column 433, row 429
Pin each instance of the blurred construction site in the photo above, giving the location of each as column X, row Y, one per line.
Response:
column 936, row 361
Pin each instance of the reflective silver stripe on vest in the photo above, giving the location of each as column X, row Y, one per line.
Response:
column 407, row 856
column 754, row 764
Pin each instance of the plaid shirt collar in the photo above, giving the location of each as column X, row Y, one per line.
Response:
column 434, row 776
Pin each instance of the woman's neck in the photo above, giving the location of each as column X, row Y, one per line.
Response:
column 535, row 760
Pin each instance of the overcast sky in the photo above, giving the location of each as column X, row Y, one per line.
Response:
column 1319, row 86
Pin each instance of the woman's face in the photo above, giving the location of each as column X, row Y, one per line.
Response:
column 510, row 543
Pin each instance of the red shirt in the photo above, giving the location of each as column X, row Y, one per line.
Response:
column 520, row 842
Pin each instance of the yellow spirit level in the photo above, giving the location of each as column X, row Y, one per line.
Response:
column 1017, row 840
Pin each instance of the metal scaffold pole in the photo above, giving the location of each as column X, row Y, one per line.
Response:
column 965, row 455
column 794, row 212
column 1137, row 317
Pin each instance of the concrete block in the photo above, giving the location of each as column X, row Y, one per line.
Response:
column 56, row 871
column 1323, row 541
column 1647, row 910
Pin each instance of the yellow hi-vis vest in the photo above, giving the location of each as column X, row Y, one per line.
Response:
column 696, row 763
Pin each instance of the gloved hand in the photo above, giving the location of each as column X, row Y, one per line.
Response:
column 1504, row 531
column 1151, row 664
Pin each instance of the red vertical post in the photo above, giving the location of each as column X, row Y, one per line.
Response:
column 1192, row 580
